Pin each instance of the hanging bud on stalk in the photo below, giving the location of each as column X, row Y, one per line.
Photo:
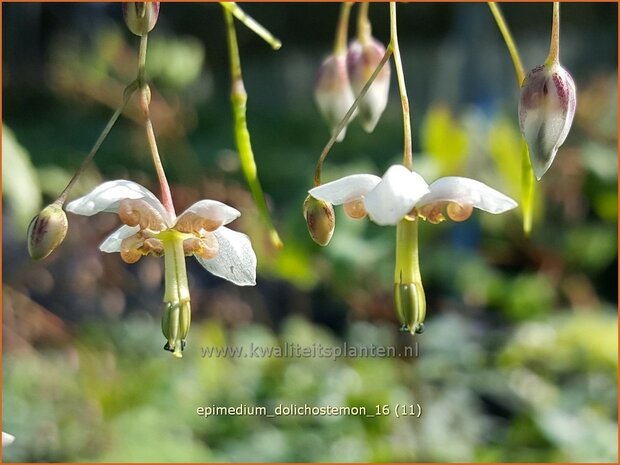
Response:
column 333, row 93
column 362, row 60
column 320, row 218
column 547, row 105
column 546, row 110
column 140, row 17
column 46, row 231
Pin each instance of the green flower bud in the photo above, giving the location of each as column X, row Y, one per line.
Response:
column 320, row 218
column 175, row 323
column 140, row 17
column 46, row 231
column 410, row 304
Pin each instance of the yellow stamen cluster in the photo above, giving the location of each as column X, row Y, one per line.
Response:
column 355, row 209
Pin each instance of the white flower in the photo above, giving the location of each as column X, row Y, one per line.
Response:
column 7, row 439
column 147, row 227
column 402, row 192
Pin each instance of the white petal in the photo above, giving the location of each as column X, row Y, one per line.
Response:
column 465, row 190
column 395, row 195
column 211, row 210
column 112, row 243
column 344, row 189
column 107, row 196
column 235, row 260
column 7, row 439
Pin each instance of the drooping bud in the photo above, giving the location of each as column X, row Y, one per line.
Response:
column 362, row 60
column 410, row 304
column 546, row 110
column 333, row 93
column 46, row 231
column 175, row 324
column 140, row 17
column 320, row 218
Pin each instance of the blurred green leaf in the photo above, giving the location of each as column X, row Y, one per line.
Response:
column 19, row 181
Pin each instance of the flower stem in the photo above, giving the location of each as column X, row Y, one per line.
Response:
column 342, row 31
column 239, row 100
column 129, row 90
column 364, row 28
column 145, row 97
column 347, row 117
column 251, row 24
column 554, row 48
column 510, row 43
column 407, row 261
column 527, row 174
column 404, row 101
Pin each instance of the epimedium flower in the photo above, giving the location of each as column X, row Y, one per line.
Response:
column 404, row 193
column 149, row 229
column 399, row 198
column 546, row 110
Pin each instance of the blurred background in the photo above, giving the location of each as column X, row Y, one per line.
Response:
column 519, row 358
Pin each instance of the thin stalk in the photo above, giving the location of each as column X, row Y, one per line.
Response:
column 364, row 28
column 102, row 137
column 342, row 30
column 148, row 127
column 252, row 24
column 554, row 47
column 510, row 43
column 239, row 100
column 527, row 174
column 347, row 117
column 404, row 101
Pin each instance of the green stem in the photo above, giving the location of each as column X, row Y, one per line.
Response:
column 527, row 174
column 342, row 31
column 145, row 98
column 407, row 261
column 131, row 88
column 554, row 47
column 404, row 101
column 510, row 43
column 251, row 24
column 364, row 28
column 527, row 188
column 347, row 117
column 239, row 99
column 176, row 297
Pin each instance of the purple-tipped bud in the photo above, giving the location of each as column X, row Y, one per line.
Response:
column 546, row 110
column 320, row 218
column 333, row 92
column 140, row 17
column 46, row 231
column 362, row 60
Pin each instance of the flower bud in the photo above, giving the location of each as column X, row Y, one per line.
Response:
column 333, row 93
column 362, row 60
column 46, row 231
column 140, row 17
column 320, row 218
column 410, row 304
column 175, row 323
column 546, row 110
